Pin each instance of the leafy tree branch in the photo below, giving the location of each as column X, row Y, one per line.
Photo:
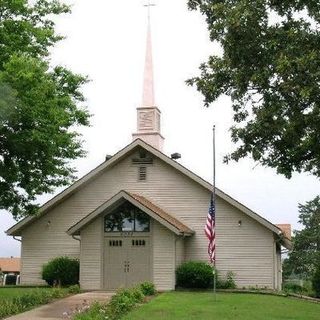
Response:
column 270, row 67
column 40, row 107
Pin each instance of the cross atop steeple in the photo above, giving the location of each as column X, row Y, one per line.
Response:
column 148, row 115
column 149, row 5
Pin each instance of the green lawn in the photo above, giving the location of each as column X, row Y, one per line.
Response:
column 203, row 306
column 11, row 292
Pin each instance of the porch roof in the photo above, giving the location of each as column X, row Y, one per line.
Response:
column 143, row 204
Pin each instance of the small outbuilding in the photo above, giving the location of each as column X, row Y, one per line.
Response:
column 9, row 268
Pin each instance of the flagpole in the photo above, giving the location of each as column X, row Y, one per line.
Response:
column 214, row 201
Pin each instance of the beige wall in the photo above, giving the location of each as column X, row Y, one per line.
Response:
column 91, row 253
column 44, row 240
column 245, row 250
column 163, row 257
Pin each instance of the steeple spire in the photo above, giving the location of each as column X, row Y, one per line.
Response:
column 148, row 115
column 148, row 85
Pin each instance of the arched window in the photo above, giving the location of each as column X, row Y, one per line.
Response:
column 127, row 217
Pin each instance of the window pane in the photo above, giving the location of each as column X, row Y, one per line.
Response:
column 113, row 222
column 128, row 223
column 127, row 218
column 142, row 221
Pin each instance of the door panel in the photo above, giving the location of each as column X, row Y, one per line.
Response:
column 127, row 261
column 139, row 261
column 115, row 257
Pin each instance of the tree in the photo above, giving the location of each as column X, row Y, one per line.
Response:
column 270, row 67
column 40, row 106
column 305, row 256
column 316, row 282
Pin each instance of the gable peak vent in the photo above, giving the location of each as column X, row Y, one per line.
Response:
column 142, row 173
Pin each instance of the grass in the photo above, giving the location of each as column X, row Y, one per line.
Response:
column 9, row 293
column 227, row 306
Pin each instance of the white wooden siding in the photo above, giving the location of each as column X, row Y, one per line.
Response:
column 180, row 251
column 91, row 273
column 247, row 251
column 44, row 240
column 163, row 257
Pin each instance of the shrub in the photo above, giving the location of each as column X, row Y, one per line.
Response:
column 194, row 274
column 229, row 283
column 123, row 301
column 61, row 271
column 74, row 289
column 300, row 287
column 148, row 288
column 316, row 282
column 293, row 287
column 136, row 294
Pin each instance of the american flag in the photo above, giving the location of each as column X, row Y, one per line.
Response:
column 210, row 231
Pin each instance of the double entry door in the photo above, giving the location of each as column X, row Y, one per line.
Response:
column 127, row 261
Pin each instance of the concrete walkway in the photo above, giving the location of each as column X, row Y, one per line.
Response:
column 63, row 308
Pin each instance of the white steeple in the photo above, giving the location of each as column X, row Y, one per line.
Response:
column 148, row 115
column 148, row 87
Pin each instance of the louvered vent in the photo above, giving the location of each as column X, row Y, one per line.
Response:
column 142, row 173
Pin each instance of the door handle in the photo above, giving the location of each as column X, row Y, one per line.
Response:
column 126, row 266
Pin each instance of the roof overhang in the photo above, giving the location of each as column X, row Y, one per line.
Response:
column 285, row 242
column 140, row 202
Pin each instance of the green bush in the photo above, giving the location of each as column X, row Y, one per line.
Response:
column 293, row 287
column 316, row 282
column 194, row 274
column 123, row 301
column 61, row 271
column 228, row 283
column 148, row 288
column 137, row 294
column 74, row 289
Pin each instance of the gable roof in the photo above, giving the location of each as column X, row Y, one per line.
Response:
column 16, row 229
column 10, row 264
column 140, row 202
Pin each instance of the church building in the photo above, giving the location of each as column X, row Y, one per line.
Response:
column 140, row 214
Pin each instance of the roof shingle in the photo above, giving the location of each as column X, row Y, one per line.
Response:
column 160, row 212
column 10, row 264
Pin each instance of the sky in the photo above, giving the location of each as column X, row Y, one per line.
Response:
column 105, row 40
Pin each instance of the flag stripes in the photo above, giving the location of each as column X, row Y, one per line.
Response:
column 210, row 231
